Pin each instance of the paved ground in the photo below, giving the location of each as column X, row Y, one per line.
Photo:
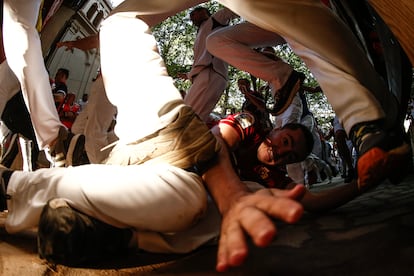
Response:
column 372, row 235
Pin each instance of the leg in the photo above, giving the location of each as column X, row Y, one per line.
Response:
column 345, row 73
column 24, row 56
column 102, row 194
column 98, row 114
column 9, row 85
column 205, row 91
column 235, row 45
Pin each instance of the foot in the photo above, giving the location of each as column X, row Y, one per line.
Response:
column 67, row 236
column 382, row 155
column 69, row 149
column 284, row 96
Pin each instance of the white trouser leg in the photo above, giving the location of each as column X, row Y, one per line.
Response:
column 24, row 56
column 9, row 85
column 152, row 197
column 205, row 91
column 329, row 49
column 235, row 45
column 134, row 57
column 97, row 117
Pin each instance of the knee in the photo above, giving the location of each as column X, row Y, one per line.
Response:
column 215, row 41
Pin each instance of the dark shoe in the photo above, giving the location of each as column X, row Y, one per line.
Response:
column 69, row 149
column 284, row 96
column 382, row 155
column 5, row 174
column 67, row 236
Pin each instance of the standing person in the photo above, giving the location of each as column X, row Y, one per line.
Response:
column 208, row 75
column 59, row 84
column 344, row 147
column 24, row 56
column 83, row 101
column 236, row 45
column 59, row 87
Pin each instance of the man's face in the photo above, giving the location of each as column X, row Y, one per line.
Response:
column 282, row 146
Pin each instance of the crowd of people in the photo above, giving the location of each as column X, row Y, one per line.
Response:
column 169, row 183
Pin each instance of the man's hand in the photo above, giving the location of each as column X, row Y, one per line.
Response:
column 252, row 214
column 182, row 76
column 68, row 44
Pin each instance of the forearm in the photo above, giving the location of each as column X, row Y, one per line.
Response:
column 329, row 199
column 222, row 181
column 84, row 44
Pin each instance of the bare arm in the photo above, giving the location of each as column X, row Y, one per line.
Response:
column 329, row 199
column 85, row 44
column 245, row 213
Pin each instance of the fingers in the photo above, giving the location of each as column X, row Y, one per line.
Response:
column 232, row 249
column 253, row 215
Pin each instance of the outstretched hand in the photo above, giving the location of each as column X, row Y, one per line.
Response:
column 68, row 44
column 252, row 214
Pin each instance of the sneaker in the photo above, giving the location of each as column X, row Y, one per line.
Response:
column 69, row 149
column 69, row 237
column 382, row 155
column 284, row 96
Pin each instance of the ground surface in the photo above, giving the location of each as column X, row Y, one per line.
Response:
column 372, row 235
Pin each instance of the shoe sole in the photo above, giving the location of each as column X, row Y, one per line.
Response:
column 75, row 150
column 295, row 88
column 377, row 165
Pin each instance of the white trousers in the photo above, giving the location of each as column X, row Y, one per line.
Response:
column 24, row 56
column 235, row 44
column 205, row 91
column 9, row 85
column 94, row 121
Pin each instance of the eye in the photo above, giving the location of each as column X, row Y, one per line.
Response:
column 285, row 141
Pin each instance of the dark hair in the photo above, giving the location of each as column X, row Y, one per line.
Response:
column 64, row 71
column 306, row 132
column 200, row 8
